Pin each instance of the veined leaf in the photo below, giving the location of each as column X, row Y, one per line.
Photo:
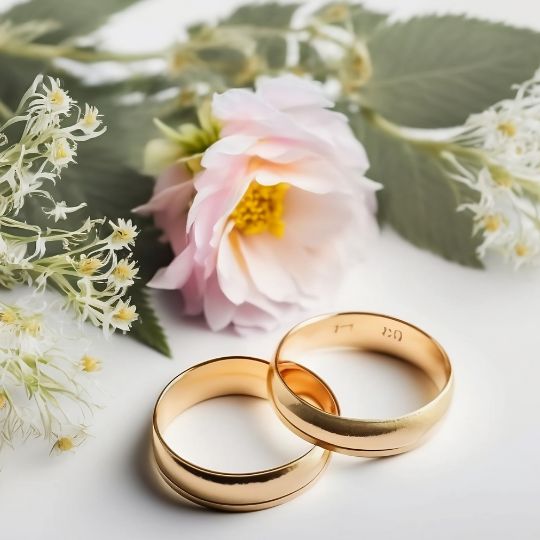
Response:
column 269, row 14
column 75, row 18
column 419, row 200
column 147, row 329
column 435, row 71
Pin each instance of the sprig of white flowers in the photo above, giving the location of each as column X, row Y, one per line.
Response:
column 40, row 389
column 497, row 154
column 43, row 391
column 84, row 267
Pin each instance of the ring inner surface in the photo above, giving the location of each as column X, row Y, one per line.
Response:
column 236, row 376
column 366, row 332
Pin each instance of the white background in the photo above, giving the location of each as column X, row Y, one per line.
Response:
column 477, row 477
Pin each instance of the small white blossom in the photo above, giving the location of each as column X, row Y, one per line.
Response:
column 43, row 390
column 122, row 316
column 53, row 100
column 497, row 155
column 90, row 121
column 61, row 153
column 123, row 235
column 123, row 274
column 61, row 210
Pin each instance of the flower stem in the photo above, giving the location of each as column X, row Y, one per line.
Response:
column 40, row 51
column 5, row 111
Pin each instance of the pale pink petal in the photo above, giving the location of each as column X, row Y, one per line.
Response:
column 269, row 275
column 289, row 92
column 177, row 273
column 232, row 276
column 218, row 309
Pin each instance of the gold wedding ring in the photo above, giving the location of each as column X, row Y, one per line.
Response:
column 243, row 491
column 368, row 332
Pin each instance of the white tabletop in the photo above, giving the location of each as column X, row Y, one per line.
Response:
column 477, row 477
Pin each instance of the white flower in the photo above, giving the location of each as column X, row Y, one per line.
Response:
column 498, row 157
column 123, row 235
column 123, row 274
column 61, row 152
column 122, row 316
column 56, row 99
column 61, row 210
column 90, row 122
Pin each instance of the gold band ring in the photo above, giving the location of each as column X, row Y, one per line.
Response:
column 231, row 491
column 369, row 332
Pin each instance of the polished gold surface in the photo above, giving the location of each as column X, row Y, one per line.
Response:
column 367, row 332
column 232, row 491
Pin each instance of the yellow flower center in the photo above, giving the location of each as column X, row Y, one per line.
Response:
column 8, row 317
column 122, row 272
column 508, row 129
column 90, row 118
column 89, row 266
column 3, row 400
column 492, row 223
column 261, row 210
column 65, row 444
column 89, row 364
column 521, row 250
column 123, row 235
column 61, row 151
column 125, row 314
column 32, row 326
column 57, row 97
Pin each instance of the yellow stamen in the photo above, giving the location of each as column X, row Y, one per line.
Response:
column 125, row 314
column 89, row 266
column 521, row 250
column 61, row 151
column 508, row 128
column 261, row 210
column 64, row 444
column 90, row 118
column 57, row 97
column 492, row 223
column 32, row 326
column 90, row 364
column 3, row 400
column 8, row 317
column 123, row 272
column 123, row 235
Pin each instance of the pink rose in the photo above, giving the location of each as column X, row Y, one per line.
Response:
column 279, row 211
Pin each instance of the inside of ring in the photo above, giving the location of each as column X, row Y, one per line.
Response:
column 368, row 332
column 236, row 376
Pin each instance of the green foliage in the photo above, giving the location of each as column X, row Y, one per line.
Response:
column 269, row 14
column 435, row 71
column 147, row 329
column 419, row 199
column 74, row 18
column 362, row 21
column 428, row 72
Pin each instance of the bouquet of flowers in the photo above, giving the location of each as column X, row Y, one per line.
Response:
column 252, row 169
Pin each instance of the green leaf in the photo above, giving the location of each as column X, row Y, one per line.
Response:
column 273, row 50
column 225, row 60
column 147, row 329
column 419, row 200
column 17, row 76
column 75, row 18
column 435, row 71
column 270, row 15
